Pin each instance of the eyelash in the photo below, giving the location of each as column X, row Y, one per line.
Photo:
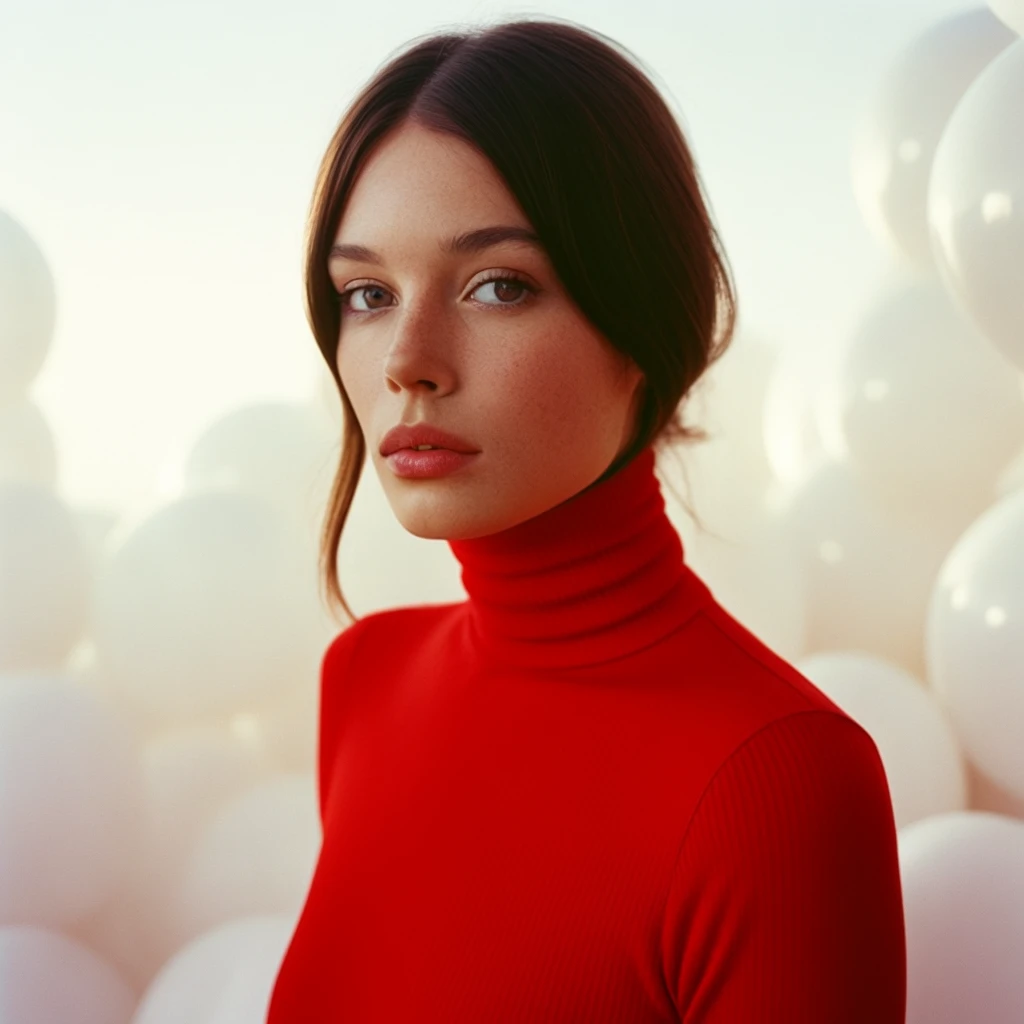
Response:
column 499, row 275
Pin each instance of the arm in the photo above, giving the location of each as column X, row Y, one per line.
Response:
column 786, row 905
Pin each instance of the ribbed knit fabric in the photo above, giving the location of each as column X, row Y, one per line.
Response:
column 588, row 794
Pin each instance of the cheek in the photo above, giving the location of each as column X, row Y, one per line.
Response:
column 558, row 383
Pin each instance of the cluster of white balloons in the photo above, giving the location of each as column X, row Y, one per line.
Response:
column 864, row 505
column 898, row 459
column 159, row 674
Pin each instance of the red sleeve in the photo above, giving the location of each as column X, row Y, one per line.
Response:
column 786, row 905
column 333, row 671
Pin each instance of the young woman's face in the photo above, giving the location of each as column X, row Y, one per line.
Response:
column 511, row 366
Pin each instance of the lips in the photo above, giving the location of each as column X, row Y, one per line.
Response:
column 415, row 434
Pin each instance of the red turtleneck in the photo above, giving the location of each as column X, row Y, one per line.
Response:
column 588, row 794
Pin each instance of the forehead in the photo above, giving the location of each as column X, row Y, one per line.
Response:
column 421, row 179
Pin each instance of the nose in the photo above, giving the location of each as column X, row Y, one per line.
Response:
column 418, row 356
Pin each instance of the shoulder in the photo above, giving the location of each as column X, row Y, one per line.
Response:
column 804, row 795
column 750, row 673
column 814, row 755
column 786, row 883
column 339, row 651
column 383, row 632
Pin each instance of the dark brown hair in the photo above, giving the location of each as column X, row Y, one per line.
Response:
column 598, row 163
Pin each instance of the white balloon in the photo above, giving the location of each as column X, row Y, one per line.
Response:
column 206, row 605
column 975, row 640
column 915, row 740
column 190, row 773
column 284, row 452
column 1012, row 476
column 750, row 574
column 1011, row 12
column 28, row 309
column 867, row 576
column 792, row 439
column 728, row 402
column 827, row 392
column 45, row 578
column 28, row 451
column 85, row 670
column 225, row 976
column 962, row 875
column 285, row 729
column 71, row 803
column 976, row 204
column 255, row 856
column 896, row 137
column 95, row 526
column 46, row 977
column 930, row 412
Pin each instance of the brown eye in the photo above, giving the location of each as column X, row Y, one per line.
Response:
column 505, row 282
column 346, row 306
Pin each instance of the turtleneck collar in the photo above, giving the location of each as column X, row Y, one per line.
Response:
column 598, row 577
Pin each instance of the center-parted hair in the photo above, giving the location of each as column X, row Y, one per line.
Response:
column 598, row 163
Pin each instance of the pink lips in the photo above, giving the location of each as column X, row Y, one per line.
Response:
column 411, row 435
column 428, row 464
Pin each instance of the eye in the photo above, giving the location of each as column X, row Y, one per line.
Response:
column 498, row 277
column 347, row 307
column 505, row 277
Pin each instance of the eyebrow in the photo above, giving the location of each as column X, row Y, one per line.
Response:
column 469, row 241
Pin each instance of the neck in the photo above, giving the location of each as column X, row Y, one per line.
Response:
column 598, row 577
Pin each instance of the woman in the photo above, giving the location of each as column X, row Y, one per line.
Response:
column 586, row 793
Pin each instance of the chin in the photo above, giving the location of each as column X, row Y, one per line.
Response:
column 424, row 532
column 435, row 525
column 444, row 527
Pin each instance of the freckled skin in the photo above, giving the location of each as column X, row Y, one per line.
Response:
column 547, row 400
